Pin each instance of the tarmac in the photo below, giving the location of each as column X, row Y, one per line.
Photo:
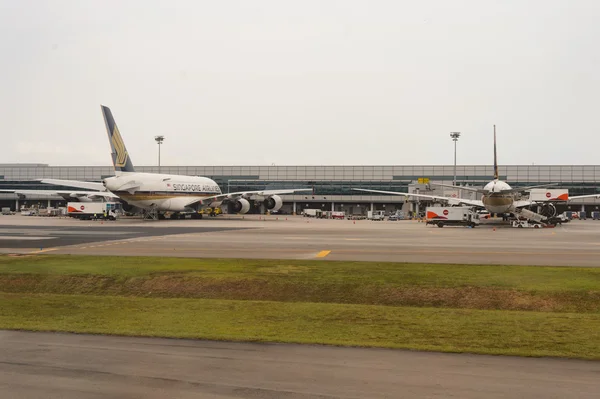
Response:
column 69, row 366
column 294, row 237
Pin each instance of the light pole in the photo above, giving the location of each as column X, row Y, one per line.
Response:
column 454, row 136
column 159, row 141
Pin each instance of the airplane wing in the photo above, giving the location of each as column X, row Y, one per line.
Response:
column 522, row 189
column 88, row 185
column 243, row 194
column 131, row 186
column 452, row 201
column 473, row 189
column 482, row 191
column 523, row 203
column 88, row 194
column 585, row 196
column 29, row 192
column 528, row 202
column 65, row 194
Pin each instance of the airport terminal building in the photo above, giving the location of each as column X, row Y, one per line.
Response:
column 332, row 186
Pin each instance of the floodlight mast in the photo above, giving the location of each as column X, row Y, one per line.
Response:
column 159, row 140
column 454, row 136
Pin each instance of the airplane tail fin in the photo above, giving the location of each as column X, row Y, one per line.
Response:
column 496, row 174
column 120, row 156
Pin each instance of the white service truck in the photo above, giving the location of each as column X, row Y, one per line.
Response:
column 452, row 216
column 312, row 213
column 525, row 223
column 376, row 215
column 94, row 210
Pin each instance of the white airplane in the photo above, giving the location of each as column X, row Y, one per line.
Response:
column 161, row 193
column 497, row 195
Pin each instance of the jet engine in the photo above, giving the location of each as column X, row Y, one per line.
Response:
column 240, row 205
column 128, row 207
column 548, row 210
column 80, row 198
column 274, row 203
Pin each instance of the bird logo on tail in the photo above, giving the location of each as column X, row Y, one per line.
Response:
column 119, row 146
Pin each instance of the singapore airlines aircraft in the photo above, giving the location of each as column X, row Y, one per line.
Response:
column 159, row 193
column 497, row 195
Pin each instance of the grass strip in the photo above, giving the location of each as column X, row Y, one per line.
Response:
column 438, row 329
column 275, row 289
column 549, row 289
column 526, row 278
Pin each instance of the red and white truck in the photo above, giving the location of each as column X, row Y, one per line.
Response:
column 545, row 194
column 335, row 215
column 452, row 216
column 94, row 210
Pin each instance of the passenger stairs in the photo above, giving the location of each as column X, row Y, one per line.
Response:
column 530, row 215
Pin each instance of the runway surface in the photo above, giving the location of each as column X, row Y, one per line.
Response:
column 12, row 236
column 573, row 244
column 68, row 366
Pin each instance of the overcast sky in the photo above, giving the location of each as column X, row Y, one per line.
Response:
column 302, row 82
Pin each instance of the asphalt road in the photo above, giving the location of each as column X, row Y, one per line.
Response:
column 80, row 233
column 67, row 366
column 573, row 244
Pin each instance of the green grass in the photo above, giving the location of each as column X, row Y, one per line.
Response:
column 510, row 310
column 526, row 278
column 448, row 330
column 274, row 289
column 556, row 289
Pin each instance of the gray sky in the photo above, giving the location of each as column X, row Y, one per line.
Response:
column 304, row 82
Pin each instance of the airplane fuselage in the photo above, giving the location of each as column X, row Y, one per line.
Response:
column 496, row 201
column 162, row 192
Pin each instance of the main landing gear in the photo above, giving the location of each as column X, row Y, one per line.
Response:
column 152, row 214
column 177, row 215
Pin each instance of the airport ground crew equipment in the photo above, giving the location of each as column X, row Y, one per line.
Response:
column 452, row 216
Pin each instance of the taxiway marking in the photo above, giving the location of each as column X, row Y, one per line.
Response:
column 323, row 254
column 346, row 251
column 43, row 250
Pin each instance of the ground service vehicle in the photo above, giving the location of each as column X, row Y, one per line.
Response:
column 525, row 223
column 94, row 210
column 376, row 215
column 544, row 194
column 211, row 211
column 399, row 215
column 312, row 213
column 452, row 216
column 335, row 215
